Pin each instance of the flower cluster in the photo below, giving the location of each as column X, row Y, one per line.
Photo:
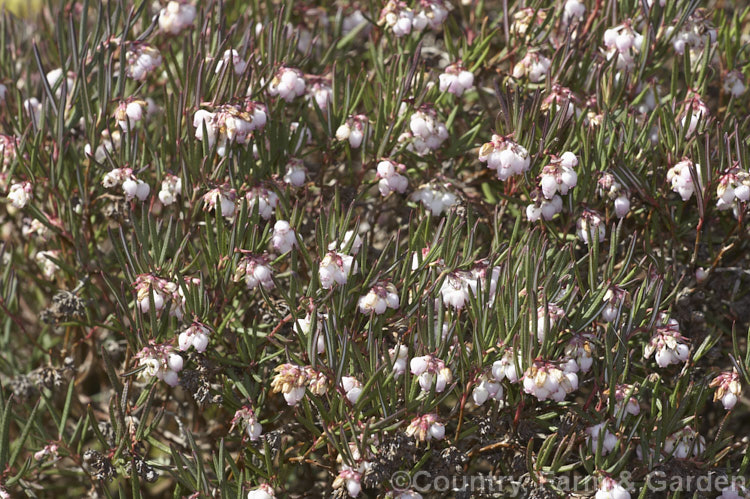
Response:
column 132, row 187
column 245, row 418
column 378, row 299
column 177, row 16
column 353, row 130
column 402, row 20
column 728, row 388
column 682, row 175
column 429, row 132
column 668, row 344
column 292, row 381
column 684, row 443
column 455, row 79
column 425, row 428
column 533, row 66
column 390, row 180
column 288, row 83
column 163, row 291
column 625, row 43
column 545, row 380
column 158, row 361
column 505, row 157
column 195, row 335
column 229, row 124
column 610, row 188
column 431, row 371
column 255, row 271
column 435, row 198
column 335, row 269
column 142, row 60
column 223, row 197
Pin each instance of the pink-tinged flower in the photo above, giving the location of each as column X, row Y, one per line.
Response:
column 164, row 291
column 378, row 299
column 196, row 335
column 559, row 175
column 48, row 450
column 624, row 401
column 322, row 93
column 505, row 157
column 353, row 130
column 284, row 238
column 455, row 79
column 142, row 59
column 680, row 176
column 733, row 188
column 591, row 225
column 728, row 388
column 505, row 367
column 600, row 432
column 670, row 346
column 229, row 124
column 245, row 418
column 255, row 271
column 432, row 13
column 684, row 443
column 265, row 491
column 734, row 83
column 171, row 187
column 46, row 260
column 398, row 17
column 222, row 197
column 436, row 199
column 291, row 381
column 695, row 110
column 390, row 177
column 398, row 357
column 429, row 132
column 608, row 187
column 160, row 362
column 351, row 479
column 543, row 208
column 610, row 489
column 231, row 58
column 486, row 389
column 735, row 491
column 550, row 314
column 623, row 42
column 132, row 187
column 614, row 297
column 288, row 83
column 20, row 194
column 573, row 11
column 563, row 101
column 427, row 427
column 352, row 387
column 534, row 66
column 431, row 371
column 177, row 16
column 129, row 113
column 579, row 353
column 266, row 199
column 349, row 238
column 335, row 268
column 7, row 149
column 545, row 380
column 295, row 173
column 57, row 79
